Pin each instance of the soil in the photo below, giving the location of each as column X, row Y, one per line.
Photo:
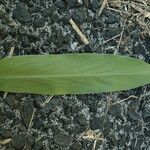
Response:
column 67, row 122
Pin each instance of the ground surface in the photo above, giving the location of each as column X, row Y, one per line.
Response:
column 75, row 122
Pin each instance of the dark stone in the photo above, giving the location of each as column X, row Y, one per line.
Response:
column 26, row 1
column 56, row 17
column 21, row 30
column 38, row 146
column 112, row 31
column 67, row 109
column 134, row 115
column 82, row 120
column 57, row 37
column 86, row 3
column 147, row 42
column 53, row 103
column 79, row 15
column 16, row 121
column 95, row 123
column 5, row 133
column 21, row 14
column 35, row 9
column 11, row 101
column 62, row 139
column 146, row 114
column 60, row 4
column 38, row 101
column 115, row 110
column 3, row 32
column 88, row 48
column 95, row 4
column 13, row 32
column 38, row 123
column 147, row 132
column 2, row 117
column 72, row 3
column 26, row 112
column 138, row 49
column 19, row 141
column 31, row 140
column 3, row 2
column 25, row 42
column 87, row 144
column 112, row 138
column 105, row 124
column 39, row 22
column 112, row 18
column 33, row 37
column 48, row 11
column 10, row 114
column 135, row 35
column 76, row 146
column 138, row 143
column 93, row 107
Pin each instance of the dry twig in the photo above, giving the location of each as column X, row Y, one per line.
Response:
column 78, row 31
column 102, row 7
column 6, row 141
column 118, row 102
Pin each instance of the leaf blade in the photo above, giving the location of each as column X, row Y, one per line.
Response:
column 72, row 74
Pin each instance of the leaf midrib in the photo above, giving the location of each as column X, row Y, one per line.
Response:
column 70, row 75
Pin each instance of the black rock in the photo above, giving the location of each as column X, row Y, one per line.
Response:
column 38, row 123
column 13, row 32
column 112, row 18
column 31, row 140
column 19, row 141
column 21, row 30
column 33, row 37
column 115, row 110
column 35, row 9
column 3, row 2
column 134, row 115
column 56, row 17
column 48, row 11
column 2, row 117
column 38, row 146
column 21, row 14
column 76, row 146
column 112, row 31
column 54, row 102
column 62, row 139
column 3, row 32
column 87, row 144
column 60, row 4
column 95, row 123
column 25, row 42
column 146, row 114
column 39, row 22
column 79, row 15
column 72, row 3
column 86, row 3
column 11, row 101
column 38, row 101
column 95, row 4
column 147, row 132
column 10, row 114
column 112, row 138
column 26, row 112
column 82, row 120
column 5, row 133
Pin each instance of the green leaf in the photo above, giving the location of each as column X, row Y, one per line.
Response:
column 72, row 74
